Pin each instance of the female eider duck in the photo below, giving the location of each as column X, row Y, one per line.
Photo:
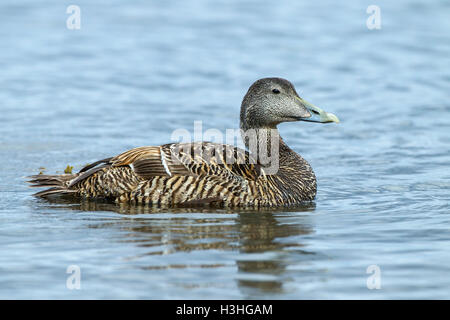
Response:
column 208, row 173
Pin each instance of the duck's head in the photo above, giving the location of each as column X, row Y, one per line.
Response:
column 270, row 101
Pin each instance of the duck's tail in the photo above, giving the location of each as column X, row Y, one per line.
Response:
column 57, row 184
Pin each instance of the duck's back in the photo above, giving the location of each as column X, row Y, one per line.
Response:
column 189, row 174
column 172, row 174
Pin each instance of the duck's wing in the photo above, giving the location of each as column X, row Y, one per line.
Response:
column 182, row 159
column 199, row 158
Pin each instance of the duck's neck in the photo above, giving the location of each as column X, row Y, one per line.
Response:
column 266, row 145
column 286, row 171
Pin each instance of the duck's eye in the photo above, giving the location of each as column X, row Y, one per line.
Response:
column 276, row 91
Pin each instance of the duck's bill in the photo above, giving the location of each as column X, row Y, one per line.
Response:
column 317, row 114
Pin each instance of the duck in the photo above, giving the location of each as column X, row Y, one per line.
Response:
column 266, row 173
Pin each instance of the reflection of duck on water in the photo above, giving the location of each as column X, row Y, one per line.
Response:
column 257, row 244
column 209, row 173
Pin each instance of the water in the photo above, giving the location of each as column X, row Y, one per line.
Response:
column 136, row 71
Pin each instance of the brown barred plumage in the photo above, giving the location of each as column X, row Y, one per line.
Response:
column 203, row 172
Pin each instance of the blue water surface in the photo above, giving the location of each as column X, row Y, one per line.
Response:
column 138, row 70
